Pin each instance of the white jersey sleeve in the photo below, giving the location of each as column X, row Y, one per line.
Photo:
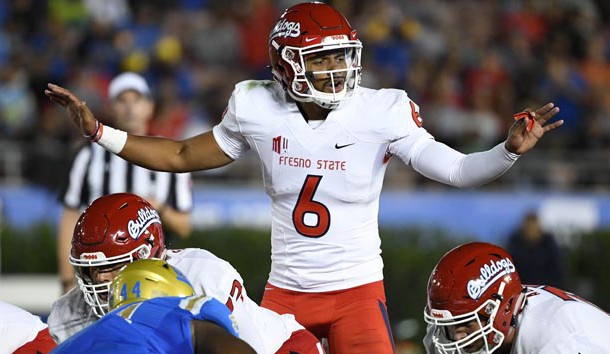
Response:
column 444, row 164
column 69, row 314
column 555, row 321
column 262, row 329
column 228, row 133
column 17, row 327
column 570, row 345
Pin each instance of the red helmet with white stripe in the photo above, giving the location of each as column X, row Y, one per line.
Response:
column 114, row 229
column 308, row 29
column 474, row 283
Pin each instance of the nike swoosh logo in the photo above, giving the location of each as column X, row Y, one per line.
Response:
column 337, row 146
column 309, row 39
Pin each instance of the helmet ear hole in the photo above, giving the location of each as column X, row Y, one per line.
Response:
column 509, row 305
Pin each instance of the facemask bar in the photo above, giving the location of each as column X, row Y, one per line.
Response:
column 302, row 88
column 92, row 291
column 447, row 346
column 92, row 294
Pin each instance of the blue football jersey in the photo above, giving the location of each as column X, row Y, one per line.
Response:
column 159, row 325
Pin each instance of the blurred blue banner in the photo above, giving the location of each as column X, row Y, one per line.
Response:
column 487, row 216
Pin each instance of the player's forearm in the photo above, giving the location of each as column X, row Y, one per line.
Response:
column 483, row 167
column 176, row 221
column 197, row 153
column 153, row 153
column 65, row 231
column 444, row 164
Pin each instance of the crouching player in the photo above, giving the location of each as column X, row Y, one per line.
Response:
column 154, row 310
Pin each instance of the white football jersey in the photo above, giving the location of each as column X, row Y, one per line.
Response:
column 262, row 329
column 557, row 322
column 69, row 314
column 17, row 327
column 324, row 182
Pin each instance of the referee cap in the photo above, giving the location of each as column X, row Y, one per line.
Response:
column 127, row 81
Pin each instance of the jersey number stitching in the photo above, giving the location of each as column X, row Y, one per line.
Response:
column 235, row 294
column 568, row 296
column 415, row 115
column 306, row 204
column 563, row 295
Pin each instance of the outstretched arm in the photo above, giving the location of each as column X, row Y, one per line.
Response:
column 441, row 163
column 197, row 153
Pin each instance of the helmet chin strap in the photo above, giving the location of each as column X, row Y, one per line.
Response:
column 519, row 306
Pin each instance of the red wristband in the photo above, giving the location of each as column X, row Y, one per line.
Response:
column 95, row 131
column 98, row 133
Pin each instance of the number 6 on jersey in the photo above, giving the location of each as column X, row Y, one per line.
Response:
column 306, row 205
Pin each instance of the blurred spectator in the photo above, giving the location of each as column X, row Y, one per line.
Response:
column 255, row 20
column 481, row 57
column 536, row 253
column 17, row 108
column 172, row 112
column 108, row 12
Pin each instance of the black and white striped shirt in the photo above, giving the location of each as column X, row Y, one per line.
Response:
column 95, row 172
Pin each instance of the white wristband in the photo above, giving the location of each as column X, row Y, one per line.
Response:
column 113, row 140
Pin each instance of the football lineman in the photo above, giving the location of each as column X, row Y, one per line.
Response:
column 324, row 143
column 156, row 310
column 477, row 304
column 120, row 228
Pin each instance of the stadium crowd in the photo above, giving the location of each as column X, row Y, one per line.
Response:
column 469, row 64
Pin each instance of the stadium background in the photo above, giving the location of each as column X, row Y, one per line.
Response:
column 469, row 64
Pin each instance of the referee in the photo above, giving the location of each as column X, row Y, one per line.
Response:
column 95, row 172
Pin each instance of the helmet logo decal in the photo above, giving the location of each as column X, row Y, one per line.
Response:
column 286, row 28
column 489, row 274
column 146, row 217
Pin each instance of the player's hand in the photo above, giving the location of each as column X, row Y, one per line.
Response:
column 77, row 109
column 521, row 140
column 158, row 206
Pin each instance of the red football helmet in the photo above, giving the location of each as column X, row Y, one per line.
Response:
column 306, row 29
column 116, row 228
column 475, row 282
